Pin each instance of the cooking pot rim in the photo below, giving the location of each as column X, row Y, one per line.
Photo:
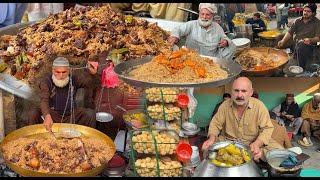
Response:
column 280, row 169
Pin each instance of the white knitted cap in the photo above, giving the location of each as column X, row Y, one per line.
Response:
column 61, row 62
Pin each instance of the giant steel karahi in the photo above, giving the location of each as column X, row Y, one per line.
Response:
column 181, row 66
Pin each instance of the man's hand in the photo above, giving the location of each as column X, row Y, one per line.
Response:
column 283, row 113
column 223, row 43
column 93, row 67
column 208, row 143
column 256, row 150
column 280, row 44
column 290, row 117
column 173, row 40
column 48, row 122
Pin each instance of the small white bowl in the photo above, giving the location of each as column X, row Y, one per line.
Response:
column 296, row 69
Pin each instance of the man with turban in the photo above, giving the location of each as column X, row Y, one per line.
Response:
column 305, row 32
column 56, row 96
column 204, row 35
column 288, row 113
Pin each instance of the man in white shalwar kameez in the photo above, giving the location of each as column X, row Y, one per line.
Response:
column 204, row 35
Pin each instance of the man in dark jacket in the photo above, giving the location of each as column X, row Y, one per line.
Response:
column 57, row 96
column 288, row 113
column 305, row 32
column 257, row 23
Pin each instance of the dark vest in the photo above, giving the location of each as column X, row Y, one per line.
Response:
column 292, row 109
column 59, row 97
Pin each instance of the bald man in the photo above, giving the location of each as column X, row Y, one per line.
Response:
column 245, row 119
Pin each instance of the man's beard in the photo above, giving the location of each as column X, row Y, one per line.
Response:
column 307, row 17
column 205, row 23
column 60, row 83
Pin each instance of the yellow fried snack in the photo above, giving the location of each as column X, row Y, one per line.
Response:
column 230, row 156
column 245, row 155
column 232, row 149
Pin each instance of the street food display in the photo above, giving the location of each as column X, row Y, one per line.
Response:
column 167, row 112
column 240, row 18
column 145, row 142
column 153, row 149
column 62, row 156
column 181, row 66
column 260, row 59
column 147, row 167
column 167, row 95
column 230, row 155
column 79, row 35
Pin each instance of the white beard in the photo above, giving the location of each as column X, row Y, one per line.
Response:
column 205, row 23
column 60, row 83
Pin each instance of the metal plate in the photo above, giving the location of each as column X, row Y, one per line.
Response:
column 241, row 42
column 123, row 68
column 165, row 24
column 38, row 131
column 104, row 117
column 19, row 88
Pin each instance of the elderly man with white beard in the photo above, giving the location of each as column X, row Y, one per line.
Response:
column 55, row 96
column 204, row 35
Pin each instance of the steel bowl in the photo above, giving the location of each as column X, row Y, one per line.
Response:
column 189, row 129
column 296, row 70
column 104, row 117
column 188, row 126
column 208, row 169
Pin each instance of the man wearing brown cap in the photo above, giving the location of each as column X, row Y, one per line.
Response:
column 204, row 35
column 288, row 113
column 305, row 32
column 56, row 94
